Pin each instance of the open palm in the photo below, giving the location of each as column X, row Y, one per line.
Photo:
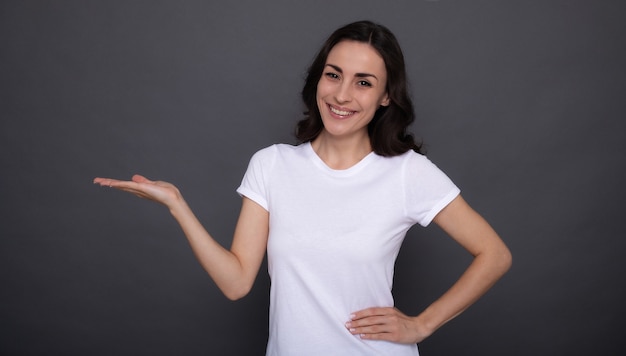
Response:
column 158, row 191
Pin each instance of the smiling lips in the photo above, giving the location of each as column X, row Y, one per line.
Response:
column 339, row 112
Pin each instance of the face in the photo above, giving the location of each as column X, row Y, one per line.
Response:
column 351, row 89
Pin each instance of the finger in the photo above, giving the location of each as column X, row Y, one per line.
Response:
column 105, row 181
column 128, row 186
column 378, row 336
column 109, row 182
column 374, row 311
column 368, row 330
column 98, row 180
column 364, row 323
column 373, row 332
column 379, row 329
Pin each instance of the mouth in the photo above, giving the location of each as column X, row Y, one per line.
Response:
column 340, row 112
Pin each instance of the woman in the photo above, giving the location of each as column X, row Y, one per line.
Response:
column 339, row 205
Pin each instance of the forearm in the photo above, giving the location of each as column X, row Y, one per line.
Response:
column 480, row 276
column 387, row 323
column 221, row 264
column 232, row 270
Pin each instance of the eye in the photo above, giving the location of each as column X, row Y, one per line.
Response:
column 332, row 75
column 364, row 83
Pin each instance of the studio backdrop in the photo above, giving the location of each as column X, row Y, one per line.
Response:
column 521, row 103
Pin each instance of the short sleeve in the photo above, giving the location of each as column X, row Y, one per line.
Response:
column 428, row 189
column 254, row 184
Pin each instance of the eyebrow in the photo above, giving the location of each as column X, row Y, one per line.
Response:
column 358, row 75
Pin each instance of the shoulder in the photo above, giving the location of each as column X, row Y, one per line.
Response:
column 417, row 167
column 409, row 160
column 418, row 161
column 277, row 151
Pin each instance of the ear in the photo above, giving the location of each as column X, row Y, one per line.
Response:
column 385, row 100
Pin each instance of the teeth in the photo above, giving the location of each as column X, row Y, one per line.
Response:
column 340, row 112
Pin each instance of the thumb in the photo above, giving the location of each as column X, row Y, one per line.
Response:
column 140, row 179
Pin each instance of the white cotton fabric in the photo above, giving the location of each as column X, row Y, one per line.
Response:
column 333, row 241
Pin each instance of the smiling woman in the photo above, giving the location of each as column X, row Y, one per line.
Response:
column 387, row 129
column 332, row 212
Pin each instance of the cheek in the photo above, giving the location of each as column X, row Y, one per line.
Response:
column 322, row 90
column 319, row 96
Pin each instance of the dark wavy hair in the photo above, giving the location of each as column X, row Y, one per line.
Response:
column 388, row 129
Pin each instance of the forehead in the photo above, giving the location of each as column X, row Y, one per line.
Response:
column 356, row 56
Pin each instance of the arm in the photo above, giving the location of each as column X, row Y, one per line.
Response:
column 491, row 260
column 234, row 270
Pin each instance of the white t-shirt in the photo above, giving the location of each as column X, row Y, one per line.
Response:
column 333, row 240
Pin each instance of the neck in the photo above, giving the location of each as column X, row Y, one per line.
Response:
column 341, row 153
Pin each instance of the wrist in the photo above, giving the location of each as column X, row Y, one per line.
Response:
column 178, row 206
column 424, row 326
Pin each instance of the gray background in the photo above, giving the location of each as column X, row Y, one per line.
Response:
column 520, row 102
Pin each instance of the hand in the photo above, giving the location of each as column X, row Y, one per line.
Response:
column 388, row 324
column 158, row 191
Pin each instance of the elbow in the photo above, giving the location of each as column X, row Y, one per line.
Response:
column 505, row 259
column 235, row 296
column 236, row 293
column 498, row 259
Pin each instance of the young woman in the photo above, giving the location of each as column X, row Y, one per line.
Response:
column 332, row 212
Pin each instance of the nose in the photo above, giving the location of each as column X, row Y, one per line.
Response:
column 343, row 93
